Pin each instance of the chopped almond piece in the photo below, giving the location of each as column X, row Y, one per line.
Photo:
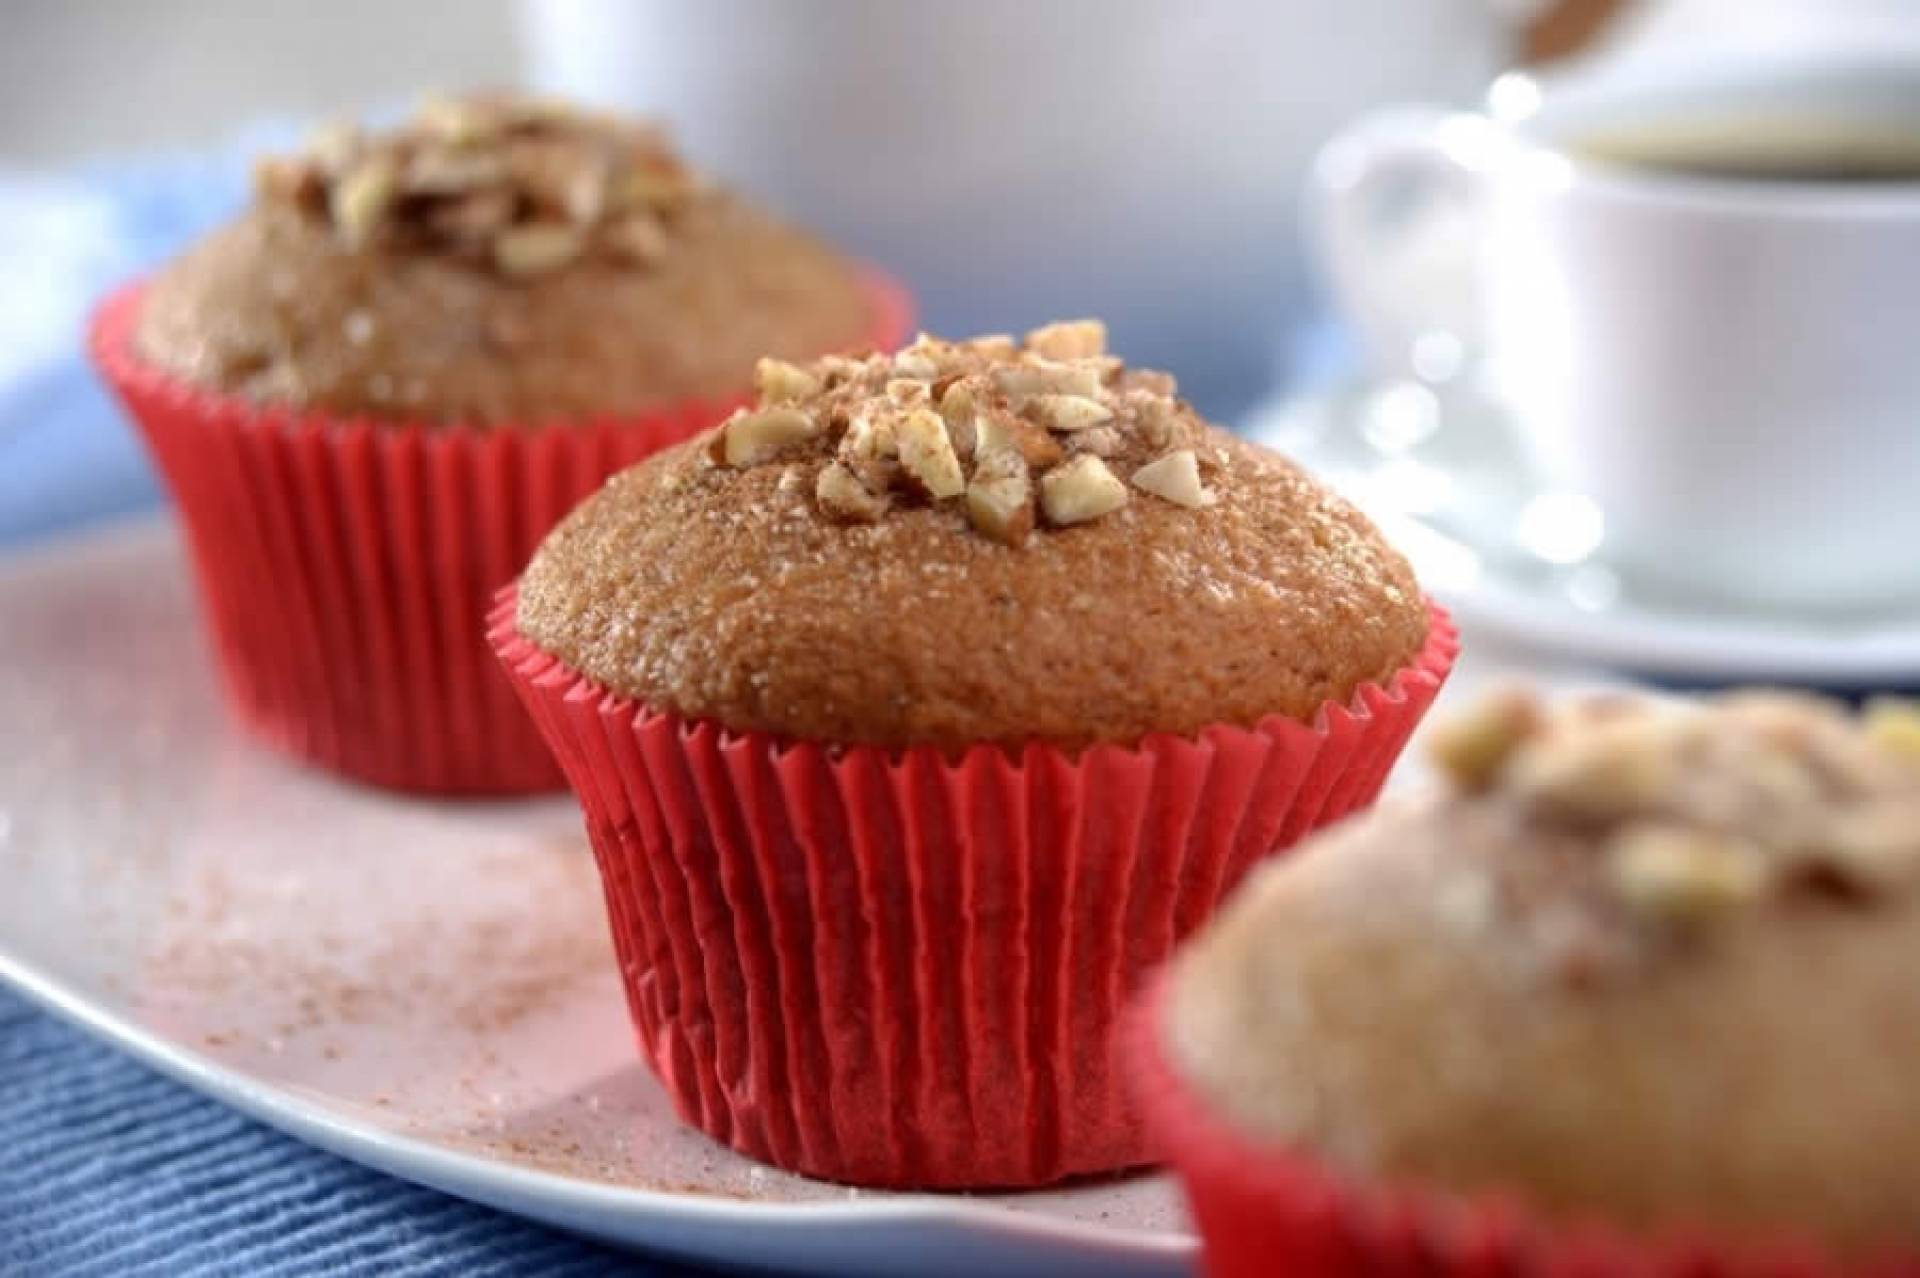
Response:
column 926, row 452
column 1069, row 339
column 1000, row 502
column 1068, row 412
column 751, row 437
column 842, row 495
column 779, row 382
column 536, row 249
column 1080, row 489
column 1174, row 478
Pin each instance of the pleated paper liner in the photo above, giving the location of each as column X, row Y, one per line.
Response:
column 1264, row 1211
column 901, row 968
column 345, row 566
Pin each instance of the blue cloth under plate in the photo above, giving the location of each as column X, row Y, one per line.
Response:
column 108, row 1169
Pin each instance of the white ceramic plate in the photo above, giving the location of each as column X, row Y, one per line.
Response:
column 1442, row 475
column 426, row 988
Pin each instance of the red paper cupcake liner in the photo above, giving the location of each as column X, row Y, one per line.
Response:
column 900, row 968
column 345, row 565
column 1263, row 1210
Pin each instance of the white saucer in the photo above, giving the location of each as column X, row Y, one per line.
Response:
column 426, row 988
column 1441, row 473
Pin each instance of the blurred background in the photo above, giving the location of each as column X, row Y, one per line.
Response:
column 1014, row 162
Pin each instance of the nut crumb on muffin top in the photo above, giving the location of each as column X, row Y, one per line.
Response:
column 1021, row 433
column 981, row 541
column 1697, row 810
column 520, row 185
column 1642, row 961
column 495, row 260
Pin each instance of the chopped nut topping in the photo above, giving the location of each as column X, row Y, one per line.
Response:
column 997, row 435
column 1175, row 478
column 1068, row 412
column 1069, row 339
column 1046, row 377
column 1159, row 424
column 445, row 171
column 1697, row 806
column 492, row 180
column 472, row 219
column 1080, row 489
column 580, row 194
column 956, row 409
column 927, row 453
column 1101, row 441
column 654, row 188
column 286, row 182
column 958, row 403
column 869, row 438
column 779, row 382
column 361, row 200
column 333, row 146
column 536, row 249
column 1473, row 745
column 1151, row 381
column 754, row 437
column 638, row 240
column 1000, row 500
column 461, row 119
column 1683, row 875
column 1894, row 726
column 1610, row 770
column 842, row 495
column 911, row 363
column 906, row 392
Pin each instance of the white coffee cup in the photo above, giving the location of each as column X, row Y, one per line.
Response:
column 1729, row 367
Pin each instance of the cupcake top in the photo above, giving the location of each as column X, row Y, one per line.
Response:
column 494, row 260
column 968, row 542
column 1647, row 962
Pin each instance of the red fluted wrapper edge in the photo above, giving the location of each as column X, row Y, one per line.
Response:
column 1263, row 1210
column 904, row 968
column 345, row 565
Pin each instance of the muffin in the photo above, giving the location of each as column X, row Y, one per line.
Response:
column 918, row 709
column 1634, row 993
column 376, row 389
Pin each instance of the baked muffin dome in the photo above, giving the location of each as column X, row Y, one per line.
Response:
column 985, row 541
column 1645, row 962
column 494, row 260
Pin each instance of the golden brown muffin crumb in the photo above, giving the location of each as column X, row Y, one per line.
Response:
column 933, row 546
column 494, row 259
column 1644, row 961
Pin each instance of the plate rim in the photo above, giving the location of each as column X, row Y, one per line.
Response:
column 1642, row 640
column 1731, row 647
column 489, row 1181
column 570, row 1203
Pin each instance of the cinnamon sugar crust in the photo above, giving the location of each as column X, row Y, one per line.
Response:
column 494, row 261
column 821, row 577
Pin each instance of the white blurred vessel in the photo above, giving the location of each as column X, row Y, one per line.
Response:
column 1137, row 159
